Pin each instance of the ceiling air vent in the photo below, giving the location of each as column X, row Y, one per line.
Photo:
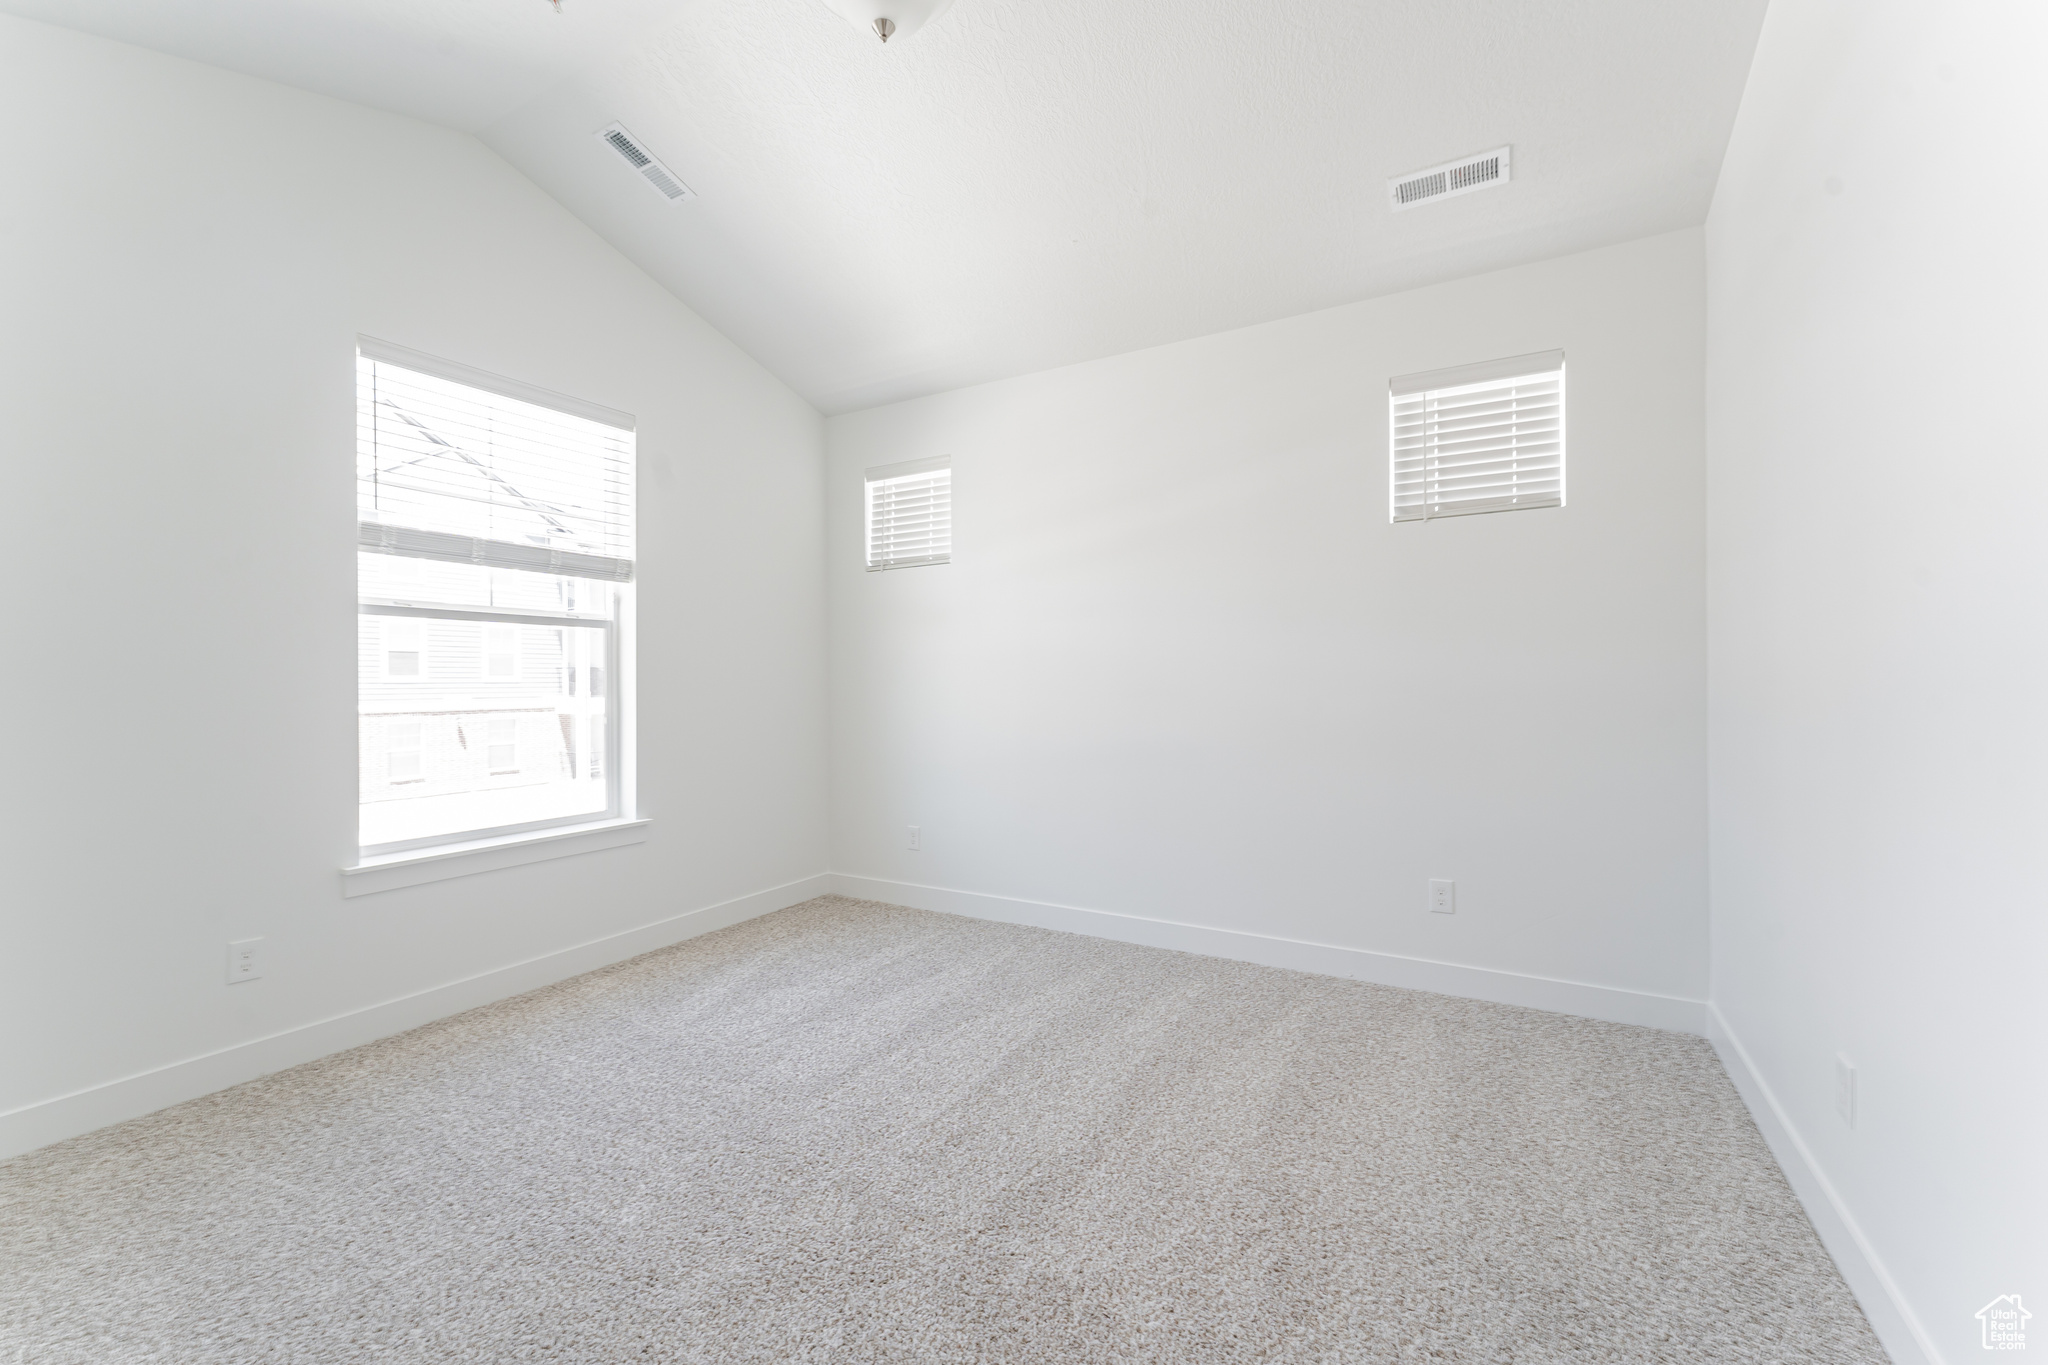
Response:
column 1462, row 176
column 665, row 181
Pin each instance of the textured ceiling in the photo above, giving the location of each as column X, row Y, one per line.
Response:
column 1027, row 183
column 465, row 63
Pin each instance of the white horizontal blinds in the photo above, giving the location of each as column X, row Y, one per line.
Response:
column 1480, row 438
column 910, row 513
column 448, row 470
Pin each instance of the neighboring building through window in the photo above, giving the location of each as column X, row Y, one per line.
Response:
column 1478, row 438
column 501, row 651
column 495, row 562
column 504, row 744
column 402, row 750
column 910, row 513
column 404, row 648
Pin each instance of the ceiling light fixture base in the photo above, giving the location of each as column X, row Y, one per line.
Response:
column 887, row 19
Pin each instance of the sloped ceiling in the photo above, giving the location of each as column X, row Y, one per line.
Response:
column 1027, row 183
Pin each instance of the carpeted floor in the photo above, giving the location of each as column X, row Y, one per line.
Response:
column 853, row 1132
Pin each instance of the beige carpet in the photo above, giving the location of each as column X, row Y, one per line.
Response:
column 853, row 1132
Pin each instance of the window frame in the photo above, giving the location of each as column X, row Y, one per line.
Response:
column 611, row 612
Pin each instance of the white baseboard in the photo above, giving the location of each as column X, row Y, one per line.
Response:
column 1890, row 1316
column 46, row 1121
column 1387, row 969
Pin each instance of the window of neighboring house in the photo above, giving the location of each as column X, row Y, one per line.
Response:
column 405, row 652
column 502, row 515
column 1478, row 438
column 501, row 651
column 504, row 746
column 402, row 751
column 910, row 513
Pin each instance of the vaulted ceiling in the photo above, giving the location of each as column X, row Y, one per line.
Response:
column 1027, row 183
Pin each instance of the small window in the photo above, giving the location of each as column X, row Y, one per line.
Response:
column 910, row 513
column 504, row 745
column 404, row 647
column 402, row 751
column 1478, row 438
column 501, row 652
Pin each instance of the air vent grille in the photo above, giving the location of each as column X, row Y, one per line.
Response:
column 666, row 183
column 1450, row 179
column 626, row 148
column 1421, row 187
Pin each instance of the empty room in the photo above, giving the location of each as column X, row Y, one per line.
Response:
column 1023, row 681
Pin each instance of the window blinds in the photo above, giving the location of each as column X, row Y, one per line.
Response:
column 456, row 465
column 1479, row 438
column 910, row 513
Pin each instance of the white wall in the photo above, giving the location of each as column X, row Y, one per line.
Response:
column 186, row 258
column 1879, row 769
column 1182, row 667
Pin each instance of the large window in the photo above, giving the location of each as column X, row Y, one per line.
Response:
column 495, row 555
column 1479, row 438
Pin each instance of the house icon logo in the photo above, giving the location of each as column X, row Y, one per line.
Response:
column 2005, row 1323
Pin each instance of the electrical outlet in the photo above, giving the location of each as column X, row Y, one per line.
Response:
column 245, row 960
column 1845, row 1089
column 913, row 838
column 1443, row 897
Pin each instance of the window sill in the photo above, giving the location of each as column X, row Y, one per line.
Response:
column 389, row 871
